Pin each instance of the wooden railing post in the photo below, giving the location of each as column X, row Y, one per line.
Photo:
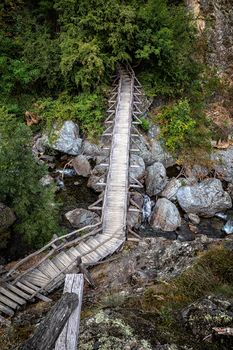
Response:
column 68, row 339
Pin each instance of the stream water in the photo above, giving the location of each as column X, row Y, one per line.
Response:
column 216, row 227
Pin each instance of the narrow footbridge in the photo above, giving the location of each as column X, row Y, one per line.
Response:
column 86, row 246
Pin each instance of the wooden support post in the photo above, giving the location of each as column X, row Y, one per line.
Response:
column 68, row 339
column 135, row 210
column 51, row 327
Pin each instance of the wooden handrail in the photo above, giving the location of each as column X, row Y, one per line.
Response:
column 21, row 262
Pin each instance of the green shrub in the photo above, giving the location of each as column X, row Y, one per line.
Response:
column 20, row 186
column 184, row 130
column 176, row 125
column 145, row 124
column 87, row 109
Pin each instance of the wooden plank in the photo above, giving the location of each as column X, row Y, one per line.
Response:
column 48, row 270
column 60, row 264
column 18, row 292
column 63, row 257
column 68, row 340
column 38, row 295
column 74, row 252
column 25, row 288
column 38, row 274
column 54, row 267
column 12, row 296
column 6, row 310
column 8, row 302
column 37, row 281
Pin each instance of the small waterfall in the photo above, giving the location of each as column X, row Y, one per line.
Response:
column 228, row 227
column 147, row 208
column 66, row 172
column 221, row 215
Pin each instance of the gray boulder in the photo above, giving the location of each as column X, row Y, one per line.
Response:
column 46, row 180
column 7, row 217
column 139, row 171
column 81, row 165
column 196, row 172
column 165, row 216
column 153, row 131
column 156, row 179
column 92, row 150
column 194, row 218
column 40, row 142
column 98, row 175
column 145, row 149
column 172, row 187
column 79, row 217
column 154, row 151
column 67, row 139
column 223, row 163
column 138, row 198
column 201, row 316
column 204, row 199
column 159, row 154
column 93, row 182
column 134, row 218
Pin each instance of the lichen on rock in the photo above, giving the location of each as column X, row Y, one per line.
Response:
column 106, row 330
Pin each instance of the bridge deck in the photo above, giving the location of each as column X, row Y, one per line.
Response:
column 42, row 277
column 116, row 195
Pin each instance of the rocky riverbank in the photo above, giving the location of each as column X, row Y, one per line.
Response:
column 174, row 199
column 155, row 294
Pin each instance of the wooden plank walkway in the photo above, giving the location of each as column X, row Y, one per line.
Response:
column 116, row 193
column 105, row 238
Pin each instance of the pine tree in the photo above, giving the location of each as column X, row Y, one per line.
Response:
column 20, row 186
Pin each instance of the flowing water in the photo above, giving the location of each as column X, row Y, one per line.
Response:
column 147, row 208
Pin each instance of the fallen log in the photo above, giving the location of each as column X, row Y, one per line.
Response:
column 51, row 327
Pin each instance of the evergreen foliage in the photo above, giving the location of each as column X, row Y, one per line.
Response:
column 57, row 58
column 20, row 186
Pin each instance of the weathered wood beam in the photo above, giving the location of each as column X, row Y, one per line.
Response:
column 135, row 210
column 21, row 262
column 96, row 208
column 136, row 180
column 138, row 119
column 134, row 233
column 101, row 183
column 104, row 165
column 51, row 327
column 134, row 203
column 68, row 339
column 96, row 202
column 134, row 186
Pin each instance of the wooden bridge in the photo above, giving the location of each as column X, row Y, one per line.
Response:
column 87, row 246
